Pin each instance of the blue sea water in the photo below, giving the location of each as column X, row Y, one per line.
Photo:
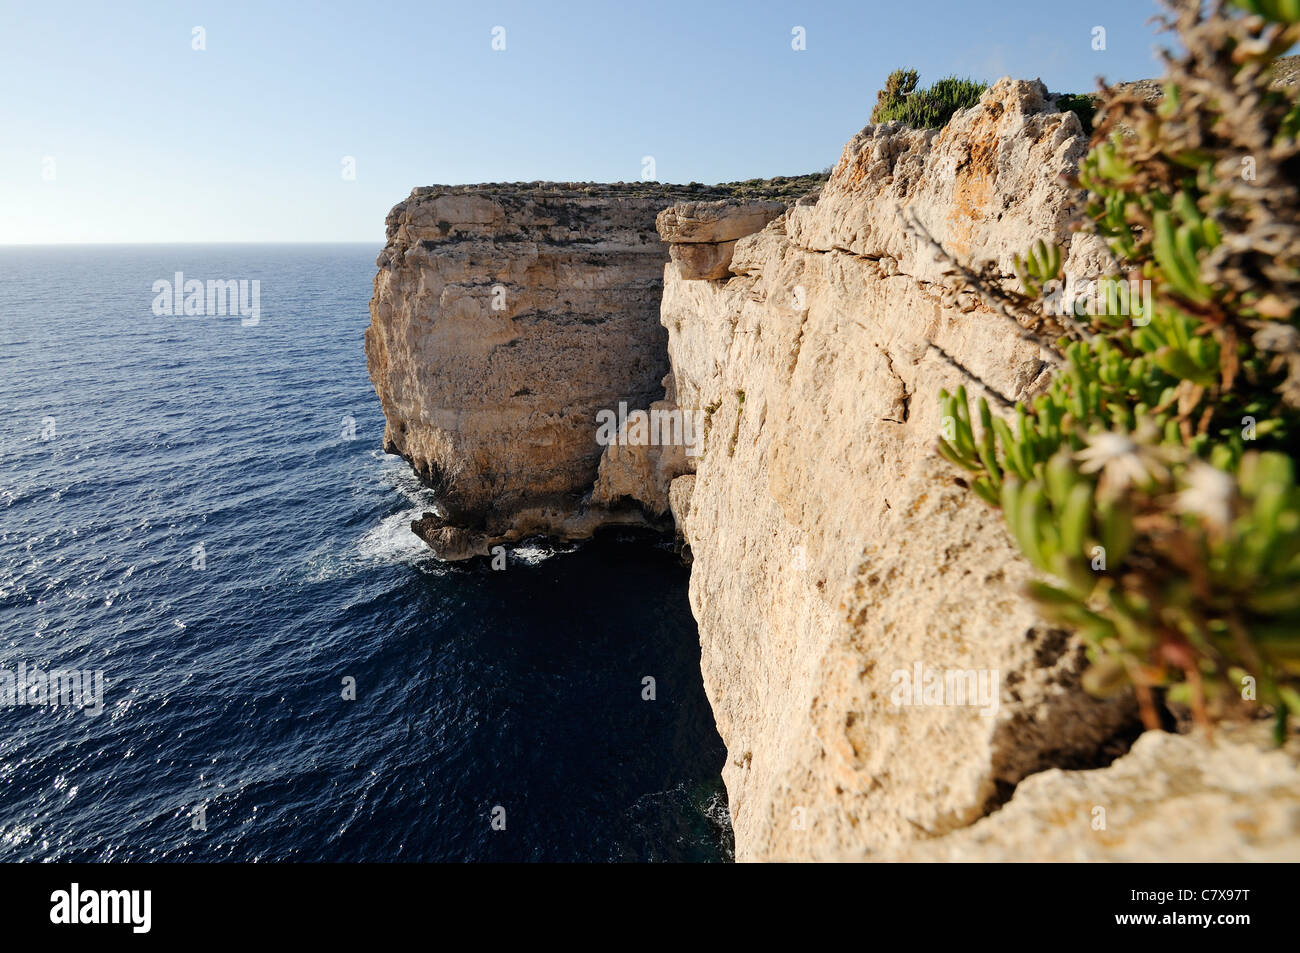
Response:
column 129, row 439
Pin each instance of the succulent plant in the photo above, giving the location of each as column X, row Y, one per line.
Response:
column 1154, row 480
column 1280, row 11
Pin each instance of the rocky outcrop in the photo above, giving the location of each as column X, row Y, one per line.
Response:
column 883, row 689
column 504, row 318
column 1172, row 798
column 702, row 235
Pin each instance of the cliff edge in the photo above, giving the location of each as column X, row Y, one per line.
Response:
column 883, row 689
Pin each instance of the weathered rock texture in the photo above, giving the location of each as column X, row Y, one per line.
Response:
column 702, row 235
column 1230, row 797
column 832, row 548
column 503, row 318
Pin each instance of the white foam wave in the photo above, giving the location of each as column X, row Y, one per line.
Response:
column 392, row 540
column 533, row 555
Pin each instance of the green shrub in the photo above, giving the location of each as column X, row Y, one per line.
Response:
column 900, row 84
column 901, row 101
column 1155, row 479
column 1082, row 105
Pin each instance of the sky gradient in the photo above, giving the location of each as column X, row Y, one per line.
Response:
column 114, row 128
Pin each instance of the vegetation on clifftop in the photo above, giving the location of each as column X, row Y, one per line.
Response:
column 779, row 187
column 929, row 108
column 1155, row 479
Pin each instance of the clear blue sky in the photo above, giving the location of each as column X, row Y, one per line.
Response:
column 154, row 141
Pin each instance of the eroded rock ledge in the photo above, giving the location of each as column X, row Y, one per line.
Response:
column 833, row 550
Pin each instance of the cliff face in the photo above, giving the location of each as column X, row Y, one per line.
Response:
column 840, row 569
column 832, row 547
column 504, row 318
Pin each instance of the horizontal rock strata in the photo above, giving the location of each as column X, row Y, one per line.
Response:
column 702, row 235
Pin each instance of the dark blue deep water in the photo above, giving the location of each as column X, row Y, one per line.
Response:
column 223, row 684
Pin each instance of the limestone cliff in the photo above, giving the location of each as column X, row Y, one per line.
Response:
column 503, row 318
column 837, row 559
column 832, row 546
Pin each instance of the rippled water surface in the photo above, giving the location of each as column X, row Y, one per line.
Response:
column 130, row 439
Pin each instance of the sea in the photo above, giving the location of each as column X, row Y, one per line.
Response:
column 220, row 641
